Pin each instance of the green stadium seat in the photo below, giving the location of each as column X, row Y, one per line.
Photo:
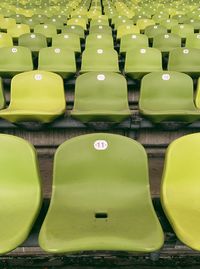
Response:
column 185, row 60
column 79, row 219
column 41, row 18
column 48, row 30
column 101, row 97
column 100, row 29
column 20, row 191
column 193, row 41
column 14, row 60
column 99, row 41
column 131, row 41
column 167, row 42
column 182, row 173
column 17, row 30
column 139, row 62
column 99, row 22
column 179, row 17
column 143, row 23
column 99, row 60
column 6, row 23
column 169, row 23
column 168, row 96
column 153, row 30
column 74, row 29
column 77, row 21
column 19, row 18
column 126, row 29
column 33, row 41
column 5, row 40
column 69, row 41
column 55, row 21
column 183, row 30
column 194, row 22
column 59, row 60
column 32, row 22
column 35, row 96
column 158, row 17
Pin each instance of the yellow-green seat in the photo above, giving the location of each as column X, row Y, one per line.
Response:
column 179, row 17
column 17, row 30
column 55, row 21
column 153, row 30
column 122, row 22
column 35, row 96
column 101, row 198
column 169, row 23
column 143, row 23
column 101, row 96
column 99, row 59
column 194, row 22
column 183, row 30
column 32, row 22
column 33, row 41
column 100, row 29
column 180, row 190
column 126, row 29
column 77, row 21
column 14, row 60
column 99, row 22
column 131, row 41
column 168, row 96
column 185, row 60
column 167, row 42
column 74, row 29
column 140, row 61
column 158, row 17
column 41, row 18
column 193, row 41
column 5, row 40
column 19, row 18
column 59, row 60
column 48, row 30
column 69, row 41
column 99, row 41
column 6, row 23
column 20, row 185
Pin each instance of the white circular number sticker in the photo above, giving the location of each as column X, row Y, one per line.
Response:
column 100, row 144
column 38, row 77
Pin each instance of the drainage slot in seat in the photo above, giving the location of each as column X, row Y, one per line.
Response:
column 101, row 215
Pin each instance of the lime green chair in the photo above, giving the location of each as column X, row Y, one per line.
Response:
column 68, row 41
column 99, row 22
column 100, row 29
column 101, row 200
column 77, row 21
column 5, row 40
column 180, row 190
column 99, row 60
column 101, row 97
column 185, row 60
column 59, row 60
column 55, row 21
column 167, row 42
column 41, row 18
column 194, row 22
column 143, row 23
column 131, row 41
column 169, row 23
column 48, row 30
column 32, row 22
column 193, row 41
column 14, row 60
column 74, row 29
column 19, row 18
column 158, row 17
column 35, row 96
column 17, row 30
column 122, row 22
column 126, row 29
column 99, row 41
column 168, row 96
column 180, row 18
column 153, row 30
column 183, row 30
column 33, row 41
column 6, row 23
column 20, row 191
column 139, row 62
column 80, row 17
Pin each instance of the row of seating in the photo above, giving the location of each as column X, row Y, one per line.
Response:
column 101, row 198
column 39, row 96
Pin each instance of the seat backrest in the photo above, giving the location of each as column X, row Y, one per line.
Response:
column 99, row 60
column 33, row 41
column 143, row 23
column 75, row 29
column 99, row 41
column 193, row 41
column 99, row 22
column 5, row 40
column 101, row 29
column 169, row 41
column 69, row 40
column 153, row 30
column 182, row 30
column 169, row 23
column 49, row 30
column 101, row 90
column 37, row 89
column 166, row 91
column 77, row 21
column 133, row 41
column 18, row 29
column 126, row 29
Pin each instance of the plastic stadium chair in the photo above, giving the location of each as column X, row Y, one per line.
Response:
column 77, row 21
column 79, row 219
column 122, row 22
column 20, row 191
column 100, row 29
column 153, row 30
column 185, row 60
column 69, row 41
column 6, row 23
column 19, row 18
column 142, row 61
column 143, row 23
column 169, row 23
column 182, row 206
column 33, row 41
column 35, row 96
column 183, row 30
column 59, row 60
column 5, row 40
column 41, row 18
column 74, row 29
column 14, row 60
column 17, row 30
column 32, row 22
column 99, row 60
column 55, row 21
column 99, row 22
column 167, row 42
column 194, row 23
column 126, row 29
column 101, row 97
column 193, row 41
column 99, row 41
column 133, row 41
column 180, row 18
column 158, row 18
column 47, row 30
column 168, row 96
